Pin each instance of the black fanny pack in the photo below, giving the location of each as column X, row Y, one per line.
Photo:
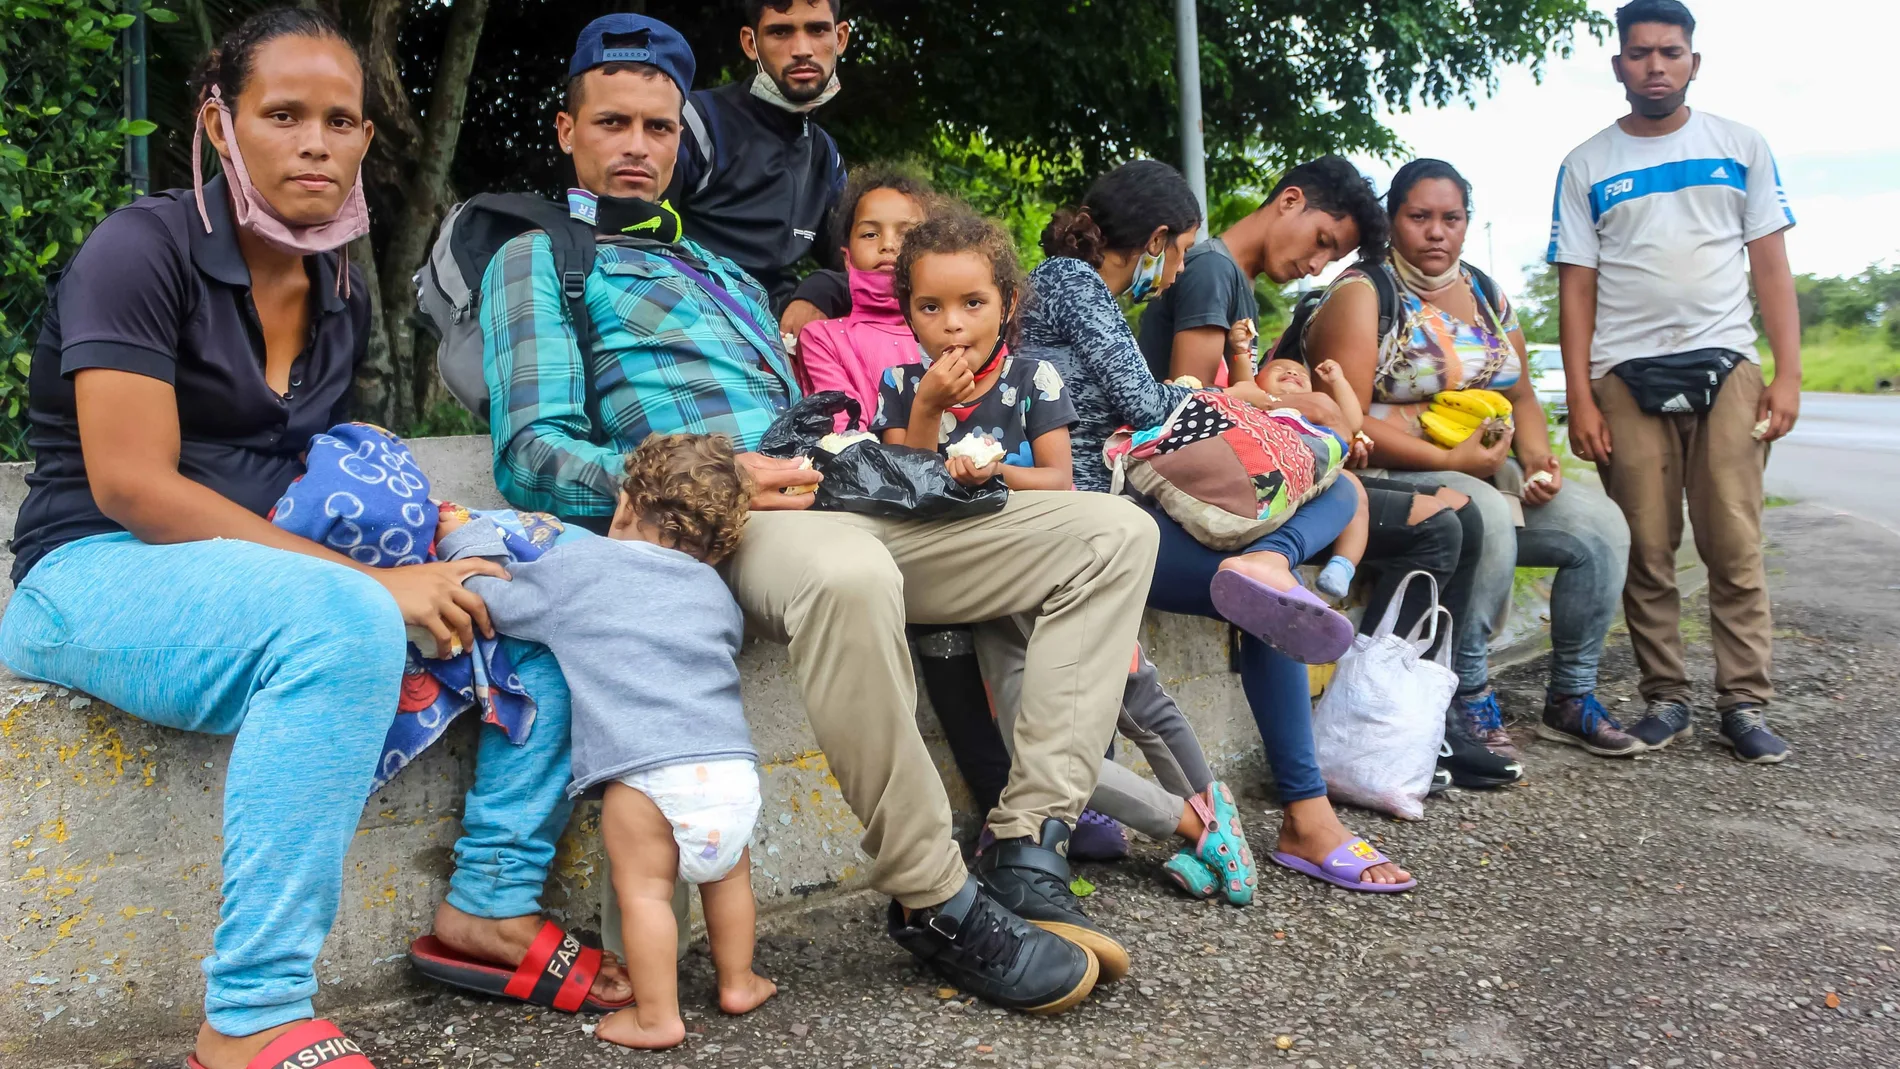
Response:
column 1683, row 383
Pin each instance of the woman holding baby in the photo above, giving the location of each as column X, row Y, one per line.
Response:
column 1128, row 238
column 1453, row 329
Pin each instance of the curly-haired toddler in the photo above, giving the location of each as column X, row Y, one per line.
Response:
column 648, row 637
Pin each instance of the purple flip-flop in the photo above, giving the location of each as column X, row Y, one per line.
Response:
column 1344, row 866
column 1295, row 622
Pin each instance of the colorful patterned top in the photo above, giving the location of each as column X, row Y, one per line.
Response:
column 1430, row 350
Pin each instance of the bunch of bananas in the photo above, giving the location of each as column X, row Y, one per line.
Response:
column 1455, row 415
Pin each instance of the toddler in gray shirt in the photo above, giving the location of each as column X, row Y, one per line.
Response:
column 647, row 636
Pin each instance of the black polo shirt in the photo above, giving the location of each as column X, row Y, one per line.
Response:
column 153, row 294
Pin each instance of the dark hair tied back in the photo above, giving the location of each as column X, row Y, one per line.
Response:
column 1072, row 232
column 229, row 65
column 1121, row 212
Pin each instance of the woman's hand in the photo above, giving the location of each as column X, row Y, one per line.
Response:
column 969, row 474
column 947, row 382
column 1476, row 459
column 432, row 597
column 773, row 475
column 1539, row 491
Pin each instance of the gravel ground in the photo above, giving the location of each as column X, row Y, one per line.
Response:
column 1679, row 909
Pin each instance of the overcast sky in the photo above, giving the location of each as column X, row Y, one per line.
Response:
column 1821, row 89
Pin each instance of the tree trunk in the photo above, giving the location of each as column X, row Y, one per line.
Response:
column 375, row 25
column 376, row 377
column 424, row 196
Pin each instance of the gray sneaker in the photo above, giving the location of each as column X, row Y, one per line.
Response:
column 1665, row 723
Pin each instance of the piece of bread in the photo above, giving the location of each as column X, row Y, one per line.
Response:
column 981, row 451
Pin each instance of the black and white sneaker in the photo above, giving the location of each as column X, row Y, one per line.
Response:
column 1031, row 879
column 1441, row 779
column 1665, row 723
column 980, row 947
column 1745, row 730
column 1470, row 763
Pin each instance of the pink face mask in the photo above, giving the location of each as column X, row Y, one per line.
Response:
column 255, row 214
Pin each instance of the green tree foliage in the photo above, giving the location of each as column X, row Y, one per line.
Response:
column 61, row 141
column 1867, row 301
column 1071, row 85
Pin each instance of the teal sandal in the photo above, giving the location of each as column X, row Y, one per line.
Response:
column 1223, row 845
column 1192, row 875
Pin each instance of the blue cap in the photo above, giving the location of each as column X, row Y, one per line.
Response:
column 634, row 39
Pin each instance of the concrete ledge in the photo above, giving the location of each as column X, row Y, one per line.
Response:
column 112, row 831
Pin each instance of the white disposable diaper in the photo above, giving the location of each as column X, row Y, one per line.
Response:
column 712, row 806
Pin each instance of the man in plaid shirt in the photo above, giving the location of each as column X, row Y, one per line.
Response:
column 677, row 347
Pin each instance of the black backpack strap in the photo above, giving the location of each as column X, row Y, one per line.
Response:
column 1292, row 344
column 574, row 250
column 1387, row 291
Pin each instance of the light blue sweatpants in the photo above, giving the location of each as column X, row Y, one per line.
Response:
column 302, row 660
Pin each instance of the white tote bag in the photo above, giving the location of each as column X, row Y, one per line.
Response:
column 1377, row 729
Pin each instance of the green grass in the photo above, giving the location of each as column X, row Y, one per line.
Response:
column 1842, row 361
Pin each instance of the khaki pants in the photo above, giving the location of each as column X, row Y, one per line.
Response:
column 1654, row 459
column 838, row 588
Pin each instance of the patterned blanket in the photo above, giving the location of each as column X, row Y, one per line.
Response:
column 363, row 495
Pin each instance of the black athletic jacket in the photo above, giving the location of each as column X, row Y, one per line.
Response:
column 757, row 185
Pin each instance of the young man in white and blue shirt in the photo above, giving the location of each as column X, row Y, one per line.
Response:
column 1660, row 220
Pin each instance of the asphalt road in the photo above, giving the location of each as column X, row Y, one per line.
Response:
column 1844, row 454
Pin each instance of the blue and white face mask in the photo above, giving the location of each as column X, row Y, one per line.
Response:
column 1147, row 276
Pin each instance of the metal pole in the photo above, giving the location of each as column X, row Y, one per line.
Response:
column 1187, row 72
column 138, row 159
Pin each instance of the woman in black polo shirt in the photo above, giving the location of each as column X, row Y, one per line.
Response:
column 193, row 347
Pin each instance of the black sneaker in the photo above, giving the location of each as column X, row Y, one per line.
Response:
column 1470, row 763
column 980, row 947
column 1031, row 880
column 1745, row 730
column 1663, row 724
column 1441, row 780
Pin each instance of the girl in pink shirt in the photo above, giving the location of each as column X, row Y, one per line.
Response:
column 880, row 205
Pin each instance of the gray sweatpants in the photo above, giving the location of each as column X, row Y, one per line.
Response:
column 1149, row 718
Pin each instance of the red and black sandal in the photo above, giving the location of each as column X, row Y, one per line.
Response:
column 314, row 1044
column 556, row 972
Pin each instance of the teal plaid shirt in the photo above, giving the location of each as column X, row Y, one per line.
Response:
column 670, row 359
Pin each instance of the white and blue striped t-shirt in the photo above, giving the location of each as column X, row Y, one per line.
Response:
column 1665, row 222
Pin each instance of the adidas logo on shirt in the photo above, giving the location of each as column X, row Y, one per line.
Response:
column 1719, row 172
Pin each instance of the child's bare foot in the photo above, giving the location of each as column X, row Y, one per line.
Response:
column 627, row 1029
column 747, row 995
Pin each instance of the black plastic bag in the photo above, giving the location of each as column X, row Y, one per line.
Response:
column 873, row 478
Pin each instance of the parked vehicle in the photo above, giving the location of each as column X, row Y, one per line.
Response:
column 1547, row 379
